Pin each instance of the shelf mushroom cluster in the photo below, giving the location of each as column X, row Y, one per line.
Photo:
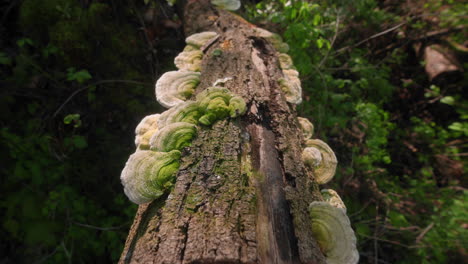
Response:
column 290, row 83
column 330, row 224
column 231, row 5
column 150, row 171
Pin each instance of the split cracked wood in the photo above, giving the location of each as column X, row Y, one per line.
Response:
column 242, row 193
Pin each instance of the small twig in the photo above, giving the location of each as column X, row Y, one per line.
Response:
column 360, row 210
column 8, row 9
column 93, row 84
column 424, row 232
column 100, row 228
column 148, row 40
column 67, row 254
column 388, row 241
column 332, row 42
column 373, row 37
column 408, row 228
column 48, row 255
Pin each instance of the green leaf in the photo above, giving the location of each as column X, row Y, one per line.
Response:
column 316, row 20
column 25, row 41
column 72, row 118
column 79, row 142
column 79, row 76
column 362, row 229
column 448, row 100
column 460, row 127
column 4, row 59
column 320, row 42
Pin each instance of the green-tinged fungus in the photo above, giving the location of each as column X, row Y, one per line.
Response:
column 237, row 106
column 307, row 127
column 188, row 112
column 218, row 103
column 148, row 174
column 285, row 61
column 332, row 230
column 292, row 90
column 175, row 87
column 145, row 130
column 324, row 167
column 189, row 48
column 273, row 38
column 189, row 60
column 174, row 136
column 231, row 5
column 332, row 197
column 199, row 39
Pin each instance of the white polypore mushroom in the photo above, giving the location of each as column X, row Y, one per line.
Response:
column 332, row 230
column 307, row 127
column 325, row 169
column 199, row 39
column 311, row 157
column 145, row 129
column 175, row 87
column 291, row 86
column 285, row 61
column 189, row 60
column 148, row 174
column 227, row 4
column 332, row 197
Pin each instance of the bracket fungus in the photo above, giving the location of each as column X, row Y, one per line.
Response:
column 324, row 168
column 188, row 112
column 332, row 230
column 145, row 129
column 219, row 103
column 285, row 61
column 307, row 127
column 291, row 86
column 231, row 5
column 174, row 136
column 175, row 87
column 200, row 39
column 189, row 60
column 332, row 197
column 148, row 174
column 311, row 157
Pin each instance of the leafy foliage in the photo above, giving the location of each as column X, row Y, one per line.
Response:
column 67, row 128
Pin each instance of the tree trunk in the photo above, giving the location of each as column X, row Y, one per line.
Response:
column 242, row 192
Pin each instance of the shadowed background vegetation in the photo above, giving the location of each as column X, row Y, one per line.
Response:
column 78, row 75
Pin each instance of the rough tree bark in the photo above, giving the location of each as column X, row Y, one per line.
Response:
column 242, row 192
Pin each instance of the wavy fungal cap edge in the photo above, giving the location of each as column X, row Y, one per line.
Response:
column 174, row 87
column 198, row 40
column 326, row 169
column 148, row 174
column 307, row 127
column 231, row 5
column 332, row 230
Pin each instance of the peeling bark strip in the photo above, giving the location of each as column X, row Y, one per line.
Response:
column 241, row 194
